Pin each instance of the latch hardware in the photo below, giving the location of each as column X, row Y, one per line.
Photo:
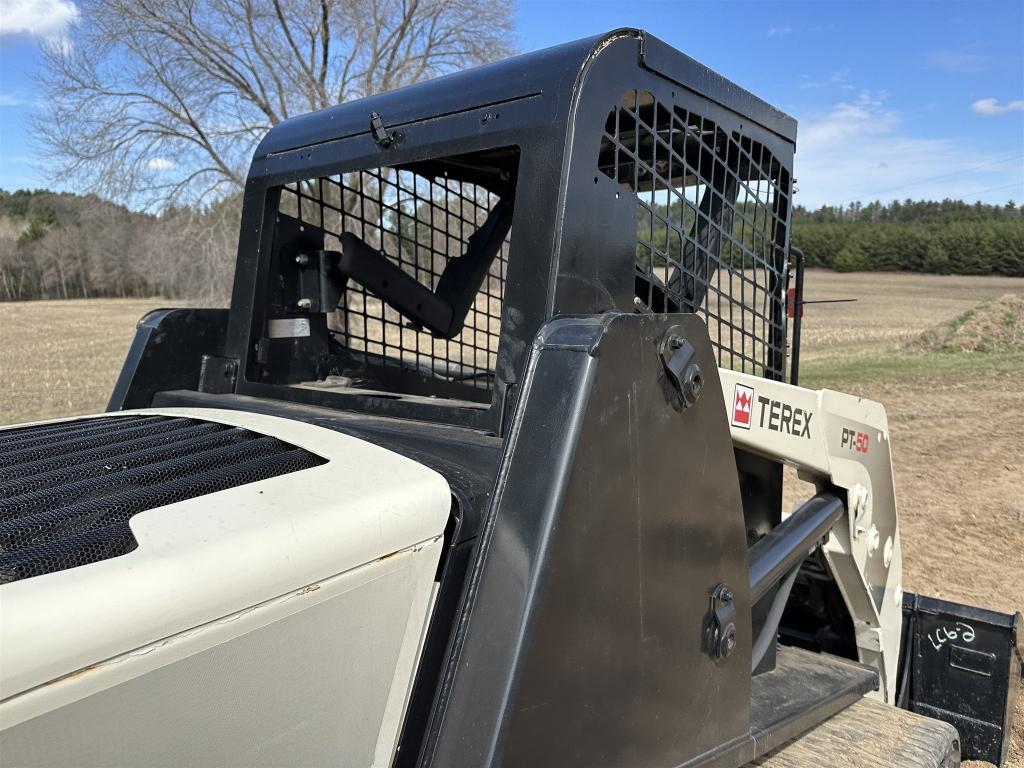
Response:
column 721, row 627
column 679, row 358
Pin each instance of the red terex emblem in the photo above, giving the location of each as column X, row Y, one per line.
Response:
column 742, row 406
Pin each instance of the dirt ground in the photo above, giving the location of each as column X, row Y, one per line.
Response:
column 957, row 427
column 956, row 419
column 957, row 424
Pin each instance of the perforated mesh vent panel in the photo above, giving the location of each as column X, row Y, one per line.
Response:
column 712, row 213
column 67, row 491
column 420, row 223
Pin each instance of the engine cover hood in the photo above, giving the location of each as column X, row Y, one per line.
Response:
column 211, row 556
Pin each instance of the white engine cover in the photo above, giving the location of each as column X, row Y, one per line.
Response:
column 274, row 623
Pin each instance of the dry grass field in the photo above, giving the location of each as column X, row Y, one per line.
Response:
column 59, row 358
column 956, row 417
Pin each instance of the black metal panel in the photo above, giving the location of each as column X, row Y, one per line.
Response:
column 962, row 665
column 490, row 86
column 167, row 353
column 662, row 58
column 615, row 517
column 495, row 84
column 69, row 490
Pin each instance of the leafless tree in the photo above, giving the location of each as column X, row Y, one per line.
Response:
column 164, row 100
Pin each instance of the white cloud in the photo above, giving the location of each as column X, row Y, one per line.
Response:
column 782, row 31
column 6, row 100
column 840, row 79
column 46, row 20
column 957, row 62
column 160, row 164
column 993, row 107
column 864, row 150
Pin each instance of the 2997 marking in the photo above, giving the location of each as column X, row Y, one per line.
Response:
column 959, row 631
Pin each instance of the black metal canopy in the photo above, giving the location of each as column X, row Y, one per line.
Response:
column 550, row 70
column 634, row 177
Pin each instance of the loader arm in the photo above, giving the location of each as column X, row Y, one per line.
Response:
column 841, row 444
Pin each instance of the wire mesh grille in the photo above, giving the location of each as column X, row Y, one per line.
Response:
column 712, row 215
column 69, row 490
column 420, row 223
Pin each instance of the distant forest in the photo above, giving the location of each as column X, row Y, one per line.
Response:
column 59, row 245
column 948, row 237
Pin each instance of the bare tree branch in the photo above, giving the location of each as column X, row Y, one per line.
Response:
column 162, row 100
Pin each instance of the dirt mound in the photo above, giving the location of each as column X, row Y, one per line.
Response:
column 994, row 326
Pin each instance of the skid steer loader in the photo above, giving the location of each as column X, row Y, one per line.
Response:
column 483, row 466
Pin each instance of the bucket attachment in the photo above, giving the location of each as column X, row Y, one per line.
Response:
column 962, row 665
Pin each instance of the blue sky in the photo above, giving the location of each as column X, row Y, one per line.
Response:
column 894, row 99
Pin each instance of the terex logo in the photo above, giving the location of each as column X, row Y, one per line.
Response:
column 782, row 417
column 742, row 406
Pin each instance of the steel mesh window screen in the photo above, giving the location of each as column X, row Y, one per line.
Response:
column 712, row 211
column 420, row 223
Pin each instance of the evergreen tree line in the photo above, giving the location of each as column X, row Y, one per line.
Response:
column 947, row 237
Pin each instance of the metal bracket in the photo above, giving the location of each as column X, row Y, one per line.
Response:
column 382, row 135
column 720, row 633
column 678, row 356
column 217, row 374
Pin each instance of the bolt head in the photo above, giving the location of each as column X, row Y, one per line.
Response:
column 693, row 383
column 874, row 539
column 728, row 642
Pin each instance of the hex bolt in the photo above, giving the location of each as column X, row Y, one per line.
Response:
column 728, row 642
column 693, row 383
column 305, row 304
column 874, row 539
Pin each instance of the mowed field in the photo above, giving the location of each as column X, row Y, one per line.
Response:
column 956, row 418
